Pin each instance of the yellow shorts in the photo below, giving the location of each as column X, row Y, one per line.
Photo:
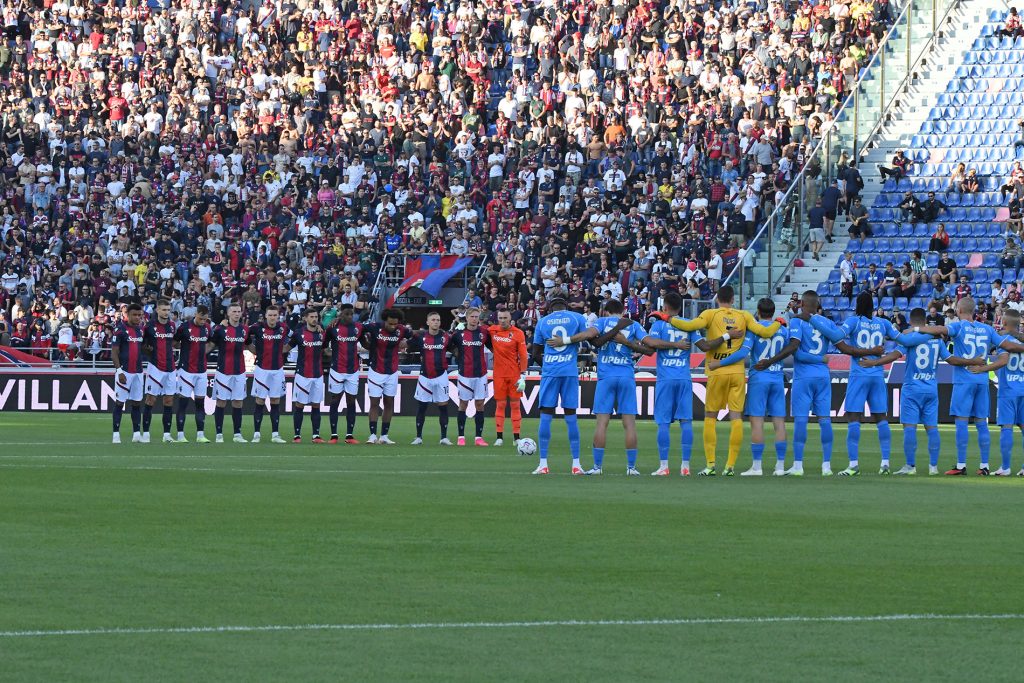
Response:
column 726, row 391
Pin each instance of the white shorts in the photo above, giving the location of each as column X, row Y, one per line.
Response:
column 131, row 390
column 432, row 390
column 342, row 383
column 381, row 385
column 160, row 383
column 308, row 390
column 472, row 388
column 228, row 387
column 192, row 384
column 267, row 383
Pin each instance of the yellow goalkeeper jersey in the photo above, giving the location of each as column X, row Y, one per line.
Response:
column 717, row 322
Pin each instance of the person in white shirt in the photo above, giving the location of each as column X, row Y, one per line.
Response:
column 715, row 269
column 847, row 274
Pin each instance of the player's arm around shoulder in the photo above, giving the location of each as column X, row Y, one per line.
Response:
column 701, row 322
column 737, row 356
column 763, row 331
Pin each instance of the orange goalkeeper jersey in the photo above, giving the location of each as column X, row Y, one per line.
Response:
column 509, row 348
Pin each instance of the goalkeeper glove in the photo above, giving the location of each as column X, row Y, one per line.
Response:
column 782, row 321
column 521, row 385
column 658, row 315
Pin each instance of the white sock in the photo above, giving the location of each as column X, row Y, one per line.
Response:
column 854, row 463
column 199, row 434
column 275, row 434
column 885, row 462
column 543, row 462
column 686, row 464
column 576, row 462
column 181, row 435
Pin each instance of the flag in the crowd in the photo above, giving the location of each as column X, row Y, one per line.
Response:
column 429, row 273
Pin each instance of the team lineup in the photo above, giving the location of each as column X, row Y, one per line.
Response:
column 162, row 362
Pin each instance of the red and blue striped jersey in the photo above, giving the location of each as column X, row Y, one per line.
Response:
column 310, row 362
column 433, row 350
column 344, row 341
column 192, row 340
column 160, row 338
column 383, row 346
column 269, row 344
column 468, row 348
column 128, row 341
column 230, row 341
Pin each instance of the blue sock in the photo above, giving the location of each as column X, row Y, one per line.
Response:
column 757, row 450
column 799, row 439
column 934, row 446
column 598, row 457
column 1006, row 446
column 631, row 457
column 852, row 442
column 825, row 424
column 910, row 444
column 780, row 451
column 885, row 440
column 574, row 436
column 544, row 435
column 664, row 442
column 961, row 443
column 686, row 439
column 984, row 441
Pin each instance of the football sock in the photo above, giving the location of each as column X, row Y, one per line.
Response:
column 136, row 417
column 573, row 427
column 1006, row 446
column 147, row 416
column 934, row 445
column 825, row 424
column 885, row 441
column 168, row 414
column 373, row 427
column 910, row 445
column 961, row 443
column 499, row 415
column 461, row 419
column 385, row 427
column 735, row 441
column 517, row 417
column 686, row 440
column 479, row 419
column 710, row 440
column 853, row 443
column 182, row 412
column 799, row 439
column 236, row 419
column 598, row 457
column 984, row 441
column 316, row 420
column 118, row 412
column 780, row 452
column 200, row 413
column 218, row 418
column 350, row 415
column 421, row 417
column 275, row 417
column 443, row 419
column 757, row 451
column 297, row 420
column 257, row 416
column 332, row 415
column 664, row 443
column 631, row 457
column 544, row 437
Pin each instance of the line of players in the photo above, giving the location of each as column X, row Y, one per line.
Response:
column 732, row 336
column 139, row 385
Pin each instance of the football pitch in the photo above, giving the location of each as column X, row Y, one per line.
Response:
column 324, row 563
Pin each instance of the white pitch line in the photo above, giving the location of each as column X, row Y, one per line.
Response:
column 285, row 453
column 257, row 470
column 426, row 626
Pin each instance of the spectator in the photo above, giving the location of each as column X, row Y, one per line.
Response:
column 891, row 281
column 971, row 183
column 816, row 228
column 860, row 228
column 932, row 208
column 910, row 209
column 957, row 178
column 940, row 239
column 847, row 274
column 852, row 184
column 900, row 168
column 1012, row 27
column 873, row 281
column 918, row 269
column 945, row 273
column 1011, row 255
column 830, row 199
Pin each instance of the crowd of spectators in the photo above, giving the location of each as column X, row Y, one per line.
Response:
column 277, row 151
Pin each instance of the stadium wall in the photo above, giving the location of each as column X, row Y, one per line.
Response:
column 67, row 391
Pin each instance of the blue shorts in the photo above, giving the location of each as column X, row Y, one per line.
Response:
column 673, row 400
column 970, row 400
column 919, row 407
column 565, row 388
column 766, row 399
column 867, row 390
column 812, row 394
column 615, row 395
column 1009, row 410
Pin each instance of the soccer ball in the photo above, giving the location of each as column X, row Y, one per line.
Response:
column 526, row 447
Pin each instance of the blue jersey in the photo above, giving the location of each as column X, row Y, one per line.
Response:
column 616, row 360
column 673, row 364
column 763, row 349
column 866, row 333
column 811, row 358
column 559, row 361
column 923, row 353
column 1011, row 375
column 972, row 340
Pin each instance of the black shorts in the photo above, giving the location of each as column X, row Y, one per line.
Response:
column 831, row 215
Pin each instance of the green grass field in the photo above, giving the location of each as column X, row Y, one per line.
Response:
column 323, row 555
